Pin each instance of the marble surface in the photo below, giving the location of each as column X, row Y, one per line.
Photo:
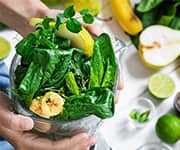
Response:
column 116, row 130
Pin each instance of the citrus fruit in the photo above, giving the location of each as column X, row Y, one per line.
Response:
column 82, row 40
column 4, row 47
column 161, row 86
column 168, row 128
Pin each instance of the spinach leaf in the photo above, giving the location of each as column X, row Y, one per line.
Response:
column 103, row 63
column 20, row 74
column 175, row 23
column 50, row 59
column 30, row 83
column 98, row 101
column 59, row 73
column 171, row 14
column 80, row 66
column 26, row 46
column 109, row 61
column 97, row 66
column 147, row 5
column 71, row 83
column 63, row 43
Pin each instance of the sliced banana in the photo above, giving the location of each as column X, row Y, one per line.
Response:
column 49, row 105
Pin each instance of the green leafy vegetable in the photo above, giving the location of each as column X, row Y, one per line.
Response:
column 30, row 83
column 170, row 16
column 88, row 18
column 46, row 22
column 25, row 47
column 59, row 20
column 84, row 12
column 98, row 101
column 69, row 12
column 147, row 5
column 140, row 117
column 51, row 59
column 62, row 68
column 103, row 63
column 73, row 25
column 71, row 83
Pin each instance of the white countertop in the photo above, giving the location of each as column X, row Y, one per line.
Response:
column 136, row 75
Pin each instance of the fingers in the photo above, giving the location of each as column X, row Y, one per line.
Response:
column 119, row 88
column 93, row 28
column 11, row 120
column 121, row 83
column 53, row 12
column 79, row 142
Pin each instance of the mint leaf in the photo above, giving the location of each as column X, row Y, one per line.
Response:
column 73, row 25
column 84, row 12
column 69, row 12
column 140, row 117
column 59, row 20
column 46, row 22
column 133, row 114
column 88, row 18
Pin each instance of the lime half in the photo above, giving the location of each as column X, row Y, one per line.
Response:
column 161, row 86
column 4, row 47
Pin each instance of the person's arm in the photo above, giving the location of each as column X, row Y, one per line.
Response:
column 15, row 13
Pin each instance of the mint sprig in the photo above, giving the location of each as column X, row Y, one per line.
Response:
column 86, row 16
column 69, row 12
column 72, row 23
column 140, row 117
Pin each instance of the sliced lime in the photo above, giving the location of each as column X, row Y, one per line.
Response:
column 161, row 86
column 4, row 47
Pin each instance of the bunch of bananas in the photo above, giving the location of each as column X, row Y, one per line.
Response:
column 126, row 17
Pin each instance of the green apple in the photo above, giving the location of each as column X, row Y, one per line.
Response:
column 159, row 46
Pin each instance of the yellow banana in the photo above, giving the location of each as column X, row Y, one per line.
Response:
column 126, row 17
column 51, row 104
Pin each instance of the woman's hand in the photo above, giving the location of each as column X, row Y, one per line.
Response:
column 17, row 130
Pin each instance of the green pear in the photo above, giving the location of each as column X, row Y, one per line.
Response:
column 159, row 46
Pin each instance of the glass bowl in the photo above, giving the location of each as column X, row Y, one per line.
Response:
column 56, row 129
column 141, row 104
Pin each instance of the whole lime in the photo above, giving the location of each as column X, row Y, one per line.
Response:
column 168, row 128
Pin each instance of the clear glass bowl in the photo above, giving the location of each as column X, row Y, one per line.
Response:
column 154, row 146
column 56, row 129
